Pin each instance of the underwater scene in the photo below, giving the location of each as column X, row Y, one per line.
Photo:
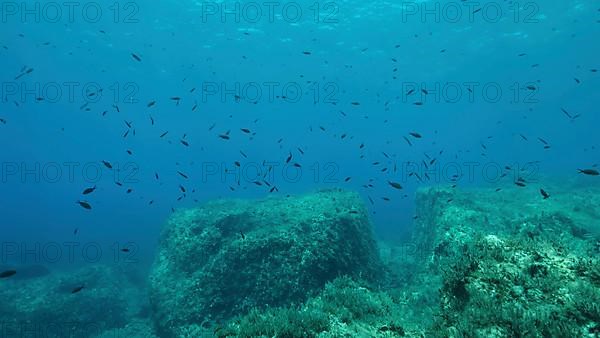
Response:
column 299, row 169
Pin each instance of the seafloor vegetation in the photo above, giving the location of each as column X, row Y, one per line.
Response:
column 480, row 263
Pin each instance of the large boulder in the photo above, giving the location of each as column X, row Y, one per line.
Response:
column 230, row 256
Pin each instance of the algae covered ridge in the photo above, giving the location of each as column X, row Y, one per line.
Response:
column 479, row 263
column 512, row 263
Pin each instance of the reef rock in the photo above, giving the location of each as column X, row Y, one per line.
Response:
column 82, row 303
column 511, row 263
column 230, row 256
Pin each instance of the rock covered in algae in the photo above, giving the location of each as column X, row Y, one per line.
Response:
column 229, row 256
column 511, row 262
column 46, row 306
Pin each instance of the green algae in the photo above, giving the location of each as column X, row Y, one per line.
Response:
column 345, row 308
column 479, row 263
column 228, row 257
column 45, row 306
column 513, row 264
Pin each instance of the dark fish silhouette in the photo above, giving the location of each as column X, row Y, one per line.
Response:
column 571, row 117
column 77, row 289
column 591, row 172
column 7, row 273
column 84, row 205
column 395, row 185
column 89, row 190
column 24, row 73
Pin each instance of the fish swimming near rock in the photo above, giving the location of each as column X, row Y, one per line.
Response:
column 590, row 172
column 25, row 272
column 77, row 289
column 7, row 274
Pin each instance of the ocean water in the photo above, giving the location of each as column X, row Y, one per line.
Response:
column 164, row 106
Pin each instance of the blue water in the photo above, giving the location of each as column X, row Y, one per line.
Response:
column 371, row 53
